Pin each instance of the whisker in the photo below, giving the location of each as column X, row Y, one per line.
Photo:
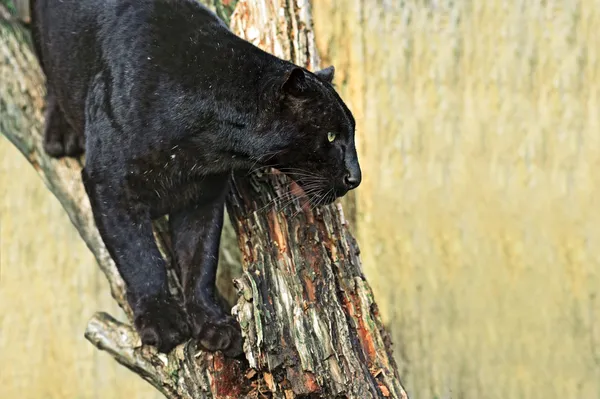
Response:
column 264, row 158
column 285, row 199
column 306, row 196
column 298, row 171
column 303, row 174
column 322, row 199
column 274, row 201
column 254, row 169
column 311, row 185
column 310, row 197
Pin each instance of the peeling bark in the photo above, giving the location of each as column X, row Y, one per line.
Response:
column 306, row 310
column 310, row 323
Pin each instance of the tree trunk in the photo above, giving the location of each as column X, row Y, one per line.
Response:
column 310, row 324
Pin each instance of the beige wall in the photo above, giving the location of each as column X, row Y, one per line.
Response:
column 49, row 288
column 479, row 215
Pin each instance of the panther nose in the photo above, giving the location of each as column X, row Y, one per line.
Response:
column 352, row 180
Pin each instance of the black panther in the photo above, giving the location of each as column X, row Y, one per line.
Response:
column 166, row 103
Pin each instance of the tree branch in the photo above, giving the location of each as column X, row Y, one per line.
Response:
column 310, row 324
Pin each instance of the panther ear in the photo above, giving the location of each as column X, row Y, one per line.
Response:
column 326, row 74
column 294, row 82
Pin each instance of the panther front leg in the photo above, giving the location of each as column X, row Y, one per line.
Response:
column 196, row 234
column 125, row 224
column 127, row 234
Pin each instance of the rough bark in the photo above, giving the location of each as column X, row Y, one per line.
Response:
column 306, row 310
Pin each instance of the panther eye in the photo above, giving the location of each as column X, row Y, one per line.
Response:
column 331, row 136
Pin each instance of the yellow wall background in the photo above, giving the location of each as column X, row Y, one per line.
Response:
column 478, row 217
column 49, row 288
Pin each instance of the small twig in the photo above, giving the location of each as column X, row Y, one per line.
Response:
column 122, row 342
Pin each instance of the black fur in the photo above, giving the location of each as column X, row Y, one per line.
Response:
column 167, row 102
